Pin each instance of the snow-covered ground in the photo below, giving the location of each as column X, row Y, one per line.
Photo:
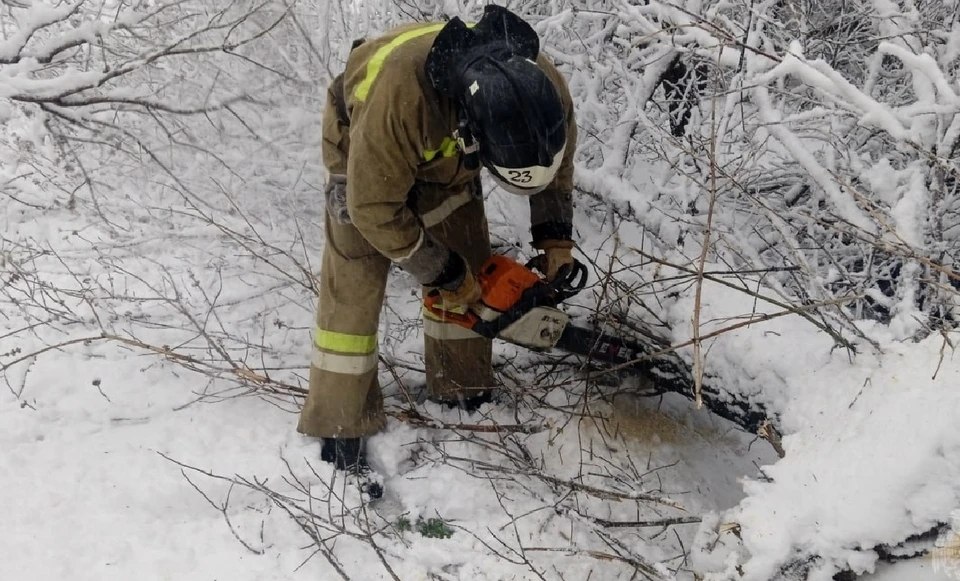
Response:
column 154, row 338
column 119, row 463
column 110, row 450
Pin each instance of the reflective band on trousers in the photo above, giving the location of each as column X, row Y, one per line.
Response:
column 345, row 364
column 343, row 352
column 446, row 331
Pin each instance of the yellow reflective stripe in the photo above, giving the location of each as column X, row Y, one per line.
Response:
column 376, row 62
column 448, row 148
column 344, row 342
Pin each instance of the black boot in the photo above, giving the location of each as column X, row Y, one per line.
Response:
column 349, row 455
column 473, row 403
column 344, row 453
column 468, row 404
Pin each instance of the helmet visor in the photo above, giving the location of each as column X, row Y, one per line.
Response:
column 526, row 181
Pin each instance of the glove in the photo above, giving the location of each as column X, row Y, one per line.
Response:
column 468, row 292
column 556, row 253
column 336, row 198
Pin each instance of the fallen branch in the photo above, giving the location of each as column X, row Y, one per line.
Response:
column 670, row 372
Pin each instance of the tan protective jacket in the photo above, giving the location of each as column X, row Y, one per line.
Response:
column 400, row 135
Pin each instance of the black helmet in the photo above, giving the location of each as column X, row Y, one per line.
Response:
column 511, row 114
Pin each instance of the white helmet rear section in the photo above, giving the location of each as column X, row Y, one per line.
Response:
column 526, row 181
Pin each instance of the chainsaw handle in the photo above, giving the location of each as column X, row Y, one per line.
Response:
column 570, row 280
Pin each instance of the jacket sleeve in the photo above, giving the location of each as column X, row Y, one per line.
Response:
column 384, row 152
column 551, row 211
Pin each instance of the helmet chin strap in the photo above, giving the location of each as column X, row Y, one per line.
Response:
column 464, row 134
column 467, row 142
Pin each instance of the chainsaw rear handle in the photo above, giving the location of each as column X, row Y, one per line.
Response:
column 570, row 280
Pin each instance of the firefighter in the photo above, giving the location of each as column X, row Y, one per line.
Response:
column 406, row 128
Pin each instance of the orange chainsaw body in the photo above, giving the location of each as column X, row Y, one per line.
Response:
column 503, row 280
column 502, row 283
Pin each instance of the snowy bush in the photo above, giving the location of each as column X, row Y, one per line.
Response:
column 111, row 106
column 821, row 141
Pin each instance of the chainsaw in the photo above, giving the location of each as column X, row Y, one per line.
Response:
column 520, row 306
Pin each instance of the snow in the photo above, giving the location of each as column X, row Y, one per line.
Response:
column 92, row 494
column 887, row 449
column 927, row 65
column 138, row 442
column 37, row 18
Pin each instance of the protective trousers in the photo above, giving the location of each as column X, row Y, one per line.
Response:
column 345, row 399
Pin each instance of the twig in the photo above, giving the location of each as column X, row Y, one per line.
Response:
column 701, row 266
column 415, row 418
column 592, row 490
column 943, row 348
column 718, row 332
column 839, row 339
column 680, row 520
column 644, row 567
column 770, row 434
